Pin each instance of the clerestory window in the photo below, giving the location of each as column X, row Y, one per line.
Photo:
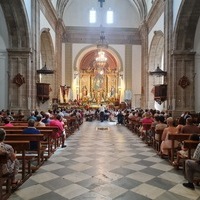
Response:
column 92, row 16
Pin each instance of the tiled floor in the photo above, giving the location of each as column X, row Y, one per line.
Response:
column 104, row 165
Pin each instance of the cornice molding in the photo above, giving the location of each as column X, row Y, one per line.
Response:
column 20, row 51
column 91, row 35
column 154, row 14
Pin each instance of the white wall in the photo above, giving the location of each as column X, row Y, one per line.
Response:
column 159, row 26
column 197, row 68
column 45, row 24
column 149, row 5
column 176, row 5
column 136, row 69
column 77, row 13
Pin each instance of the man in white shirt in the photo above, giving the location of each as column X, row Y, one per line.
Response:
column 191, row 167
column 101, row 112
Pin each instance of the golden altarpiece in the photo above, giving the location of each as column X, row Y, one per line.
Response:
column 98, row 81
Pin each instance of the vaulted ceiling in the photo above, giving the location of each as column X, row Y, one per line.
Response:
column 140, row 6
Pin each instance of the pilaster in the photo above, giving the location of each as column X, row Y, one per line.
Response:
column 128, row 67
column 144, row 64
column 168, row 35
column 183, row 82
column 58, row 61
column 20, row 78
column 68, row 66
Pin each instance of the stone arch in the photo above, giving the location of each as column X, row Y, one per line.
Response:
column 15, row 16
column 186, row 23
column 156, row 53
column 87, row 49
column 18, row 56
column 47, row 58
column 46, row 48
column 183, row 57
column 84, row 63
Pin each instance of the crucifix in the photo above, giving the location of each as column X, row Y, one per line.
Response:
column 101, row 2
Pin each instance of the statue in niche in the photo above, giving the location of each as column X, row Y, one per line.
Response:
column 112, row 91
column 84, row 91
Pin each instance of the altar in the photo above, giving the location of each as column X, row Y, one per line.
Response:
column 99, row 88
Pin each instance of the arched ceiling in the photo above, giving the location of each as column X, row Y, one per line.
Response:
column 140, row 6
column 186, row 24
column 88, row 62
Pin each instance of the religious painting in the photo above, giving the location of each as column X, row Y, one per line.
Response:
column 98, row 82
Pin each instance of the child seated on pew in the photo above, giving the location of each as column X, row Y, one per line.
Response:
column 183, row 153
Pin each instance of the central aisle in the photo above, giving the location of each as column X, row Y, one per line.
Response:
column 109, row 163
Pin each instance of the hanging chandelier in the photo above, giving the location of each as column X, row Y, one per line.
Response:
column 102, row 43
column 101, row 59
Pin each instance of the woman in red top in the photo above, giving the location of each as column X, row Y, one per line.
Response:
column 146, row 124
column 61, row 131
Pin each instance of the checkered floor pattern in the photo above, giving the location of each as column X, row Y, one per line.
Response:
column 105, row 164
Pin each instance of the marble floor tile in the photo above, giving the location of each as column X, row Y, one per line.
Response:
column 105, row 165
column 71, row 191
column 110, row 190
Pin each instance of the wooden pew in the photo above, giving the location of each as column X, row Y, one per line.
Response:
column 157, row 143
column 30, row 137
column 20, row 123
column 4, row 179
column 134, row 126
column 22, row 146
column 190, row 145
column 53, row 128
column 51, row 143
column 176, row 137
column 147, row 132
column 71, row 124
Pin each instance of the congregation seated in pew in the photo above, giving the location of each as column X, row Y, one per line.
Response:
column 166, row 143
column 58, row 122
column 190, row 127
column 12, row 165
column 31, row 129
column 183, row 153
